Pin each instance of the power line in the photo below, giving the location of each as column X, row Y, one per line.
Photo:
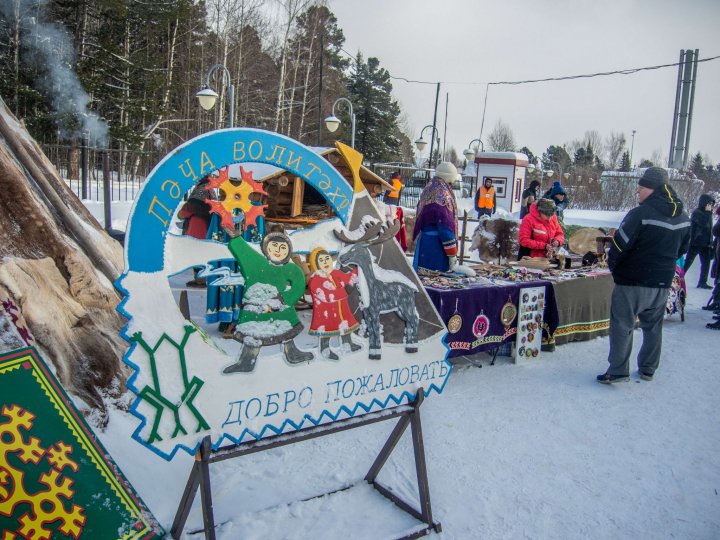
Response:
column 585, row 76
column 629, row 71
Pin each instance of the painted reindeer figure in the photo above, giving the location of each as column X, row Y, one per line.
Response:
column 381, row 290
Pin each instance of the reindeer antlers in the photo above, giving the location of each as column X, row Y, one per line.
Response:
column 376, row 233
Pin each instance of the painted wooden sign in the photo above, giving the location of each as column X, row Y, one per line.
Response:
column 371, row 340
column 56, row 479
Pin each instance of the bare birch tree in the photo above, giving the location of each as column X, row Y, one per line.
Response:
column 501, row 138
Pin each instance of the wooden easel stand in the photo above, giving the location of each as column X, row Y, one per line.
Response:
column 409, row 416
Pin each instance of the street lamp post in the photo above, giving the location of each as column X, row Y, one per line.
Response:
column 332, row 122
column 632, row 145
column 540, row 170
column 421, row 143
column 559, row 168
column 469, row 153
column 207, row 96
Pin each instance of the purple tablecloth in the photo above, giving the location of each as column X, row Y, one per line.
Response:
column 480, row 309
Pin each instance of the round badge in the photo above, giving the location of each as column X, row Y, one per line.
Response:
column 525, row 297
column 535, row 353
column 454, row 324
column 481, row 326
column 521, row 351
column 508, row 313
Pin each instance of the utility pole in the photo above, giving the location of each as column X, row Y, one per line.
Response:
column 434, row 124
column 684, row 101
column 320, row 89
column 447, row 99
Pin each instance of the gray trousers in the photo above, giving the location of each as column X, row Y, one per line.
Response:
column 648, row 305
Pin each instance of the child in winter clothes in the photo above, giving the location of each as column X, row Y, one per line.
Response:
column 701, row 239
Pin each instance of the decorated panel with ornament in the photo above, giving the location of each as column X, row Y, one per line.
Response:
column 56, row 479
column 530, row 324
column 372, row 339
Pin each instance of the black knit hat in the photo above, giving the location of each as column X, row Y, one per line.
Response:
column 653, row 178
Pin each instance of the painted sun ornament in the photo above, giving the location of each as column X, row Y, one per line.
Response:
column 236, row 197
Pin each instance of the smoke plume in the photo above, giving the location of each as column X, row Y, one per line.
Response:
column 48, row 46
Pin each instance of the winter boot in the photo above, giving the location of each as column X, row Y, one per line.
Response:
column 713, row 326
column 245, row 362
column 293, row 355
column 704, row 286
column 325, row 349
column 607, row 378
column 347, row 339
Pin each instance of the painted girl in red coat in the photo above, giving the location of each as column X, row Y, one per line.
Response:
column 540, row 232
column 332, row 315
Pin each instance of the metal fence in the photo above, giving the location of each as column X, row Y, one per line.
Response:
column 87, row 170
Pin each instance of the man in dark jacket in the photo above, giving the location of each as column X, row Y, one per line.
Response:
column 642, row 260
column 528, row 197
column 701, row 239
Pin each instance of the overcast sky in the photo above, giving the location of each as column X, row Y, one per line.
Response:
column 476, row 41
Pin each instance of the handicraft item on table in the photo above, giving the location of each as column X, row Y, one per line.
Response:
column 530, row 324
column 269, row 379
column 455, row 322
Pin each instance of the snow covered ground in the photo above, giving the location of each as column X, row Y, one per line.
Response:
column 531, row 451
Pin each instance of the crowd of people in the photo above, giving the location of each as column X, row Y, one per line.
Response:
column 643, row 256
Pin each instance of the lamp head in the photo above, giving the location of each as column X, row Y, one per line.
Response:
column 420, row 144
column 332, row 122
column 207, row 98
column 469, row 154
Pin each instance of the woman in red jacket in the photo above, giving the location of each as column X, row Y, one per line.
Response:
column 540, row 232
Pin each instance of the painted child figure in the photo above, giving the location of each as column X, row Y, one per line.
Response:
column 273, row 284
column 332, row 315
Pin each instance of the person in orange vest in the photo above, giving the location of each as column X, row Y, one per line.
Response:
column 485, row 202
column 393, row 196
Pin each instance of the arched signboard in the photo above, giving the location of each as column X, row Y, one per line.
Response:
column 284, row 369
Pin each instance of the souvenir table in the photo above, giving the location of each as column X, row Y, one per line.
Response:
column 576, row 306
column 478, row 311
column 583, row 307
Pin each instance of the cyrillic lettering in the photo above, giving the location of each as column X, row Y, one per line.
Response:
column 174, row 192
column 300, row 397
column 239, row 151
column 334, row 391
column 190, row 173
column 206, row 163
column 271, row 403
column 167, row 211
column 275, row 150
column 258, row 145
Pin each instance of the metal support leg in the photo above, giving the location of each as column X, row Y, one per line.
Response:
column 205, row 490
column 421, row 468
column 187, row 499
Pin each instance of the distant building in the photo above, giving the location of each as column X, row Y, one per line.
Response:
column 610, row 179
column 507, row 172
